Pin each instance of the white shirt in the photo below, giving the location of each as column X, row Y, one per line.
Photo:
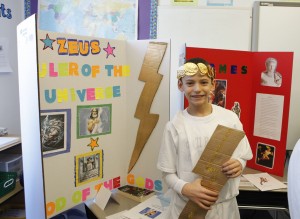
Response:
column 184, row 140
column 294, row 182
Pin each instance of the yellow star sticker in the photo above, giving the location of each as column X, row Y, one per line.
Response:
column 93, row 144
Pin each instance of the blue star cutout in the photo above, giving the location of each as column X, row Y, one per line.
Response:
column 47, row 42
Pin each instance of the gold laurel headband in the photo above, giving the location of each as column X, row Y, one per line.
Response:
column 190, row 69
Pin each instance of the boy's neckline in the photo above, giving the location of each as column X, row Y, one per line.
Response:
column 203, row 113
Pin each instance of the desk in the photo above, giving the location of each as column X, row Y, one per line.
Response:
column 249, row 198
column 252, row 198
column 112, row 206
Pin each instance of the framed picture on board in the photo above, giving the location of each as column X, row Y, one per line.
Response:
column 55, row 131
column 89, row 167
column 93, row 120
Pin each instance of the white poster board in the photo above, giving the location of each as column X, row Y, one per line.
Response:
column 76, row 78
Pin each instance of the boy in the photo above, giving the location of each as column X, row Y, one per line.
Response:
column 185, row 138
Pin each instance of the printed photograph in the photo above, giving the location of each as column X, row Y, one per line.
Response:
column 55, row 131
column 270, row 76
column 93, row 120
column 265, row 155
column 89, row 167
column 150, row 212
column 218, row 96
column 236, row 109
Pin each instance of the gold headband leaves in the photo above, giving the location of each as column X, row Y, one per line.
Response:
column 190, row 69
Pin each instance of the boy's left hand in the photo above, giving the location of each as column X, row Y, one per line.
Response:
column 232, row 168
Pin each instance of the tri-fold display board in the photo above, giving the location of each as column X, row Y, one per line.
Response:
column 96, row 109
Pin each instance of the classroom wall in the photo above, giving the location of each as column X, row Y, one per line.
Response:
column 9, row 110
column 9, row 92
column 235, row 3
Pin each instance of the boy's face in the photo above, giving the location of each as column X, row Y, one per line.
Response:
column 196, row 89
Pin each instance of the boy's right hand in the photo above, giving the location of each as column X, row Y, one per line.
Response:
column 203, row 197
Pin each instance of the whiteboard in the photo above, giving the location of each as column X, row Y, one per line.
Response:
column 207, row 27
column 276, row 28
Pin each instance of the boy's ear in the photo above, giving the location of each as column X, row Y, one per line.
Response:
column 180, row 85
column 213, row 82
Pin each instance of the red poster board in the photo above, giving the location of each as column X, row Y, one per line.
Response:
column 238, row 73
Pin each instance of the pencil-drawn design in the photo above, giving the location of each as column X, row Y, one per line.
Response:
column 89, row 167
column 263, row 180
column 55, row 131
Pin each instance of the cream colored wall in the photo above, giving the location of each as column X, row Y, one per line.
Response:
column 9, row 92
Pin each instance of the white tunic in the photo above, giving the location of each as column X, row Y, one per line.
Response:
column 184, row 140
column 294, row 182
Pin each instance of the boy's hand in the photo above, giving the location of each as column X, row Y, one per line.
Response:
column 232, row 168
column 203, row 197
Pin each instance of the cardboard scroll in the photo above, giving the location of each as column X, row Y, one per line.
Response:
column 218, row 150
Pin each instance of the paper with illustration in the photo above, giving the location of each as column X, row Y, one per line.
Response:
column 264, row 181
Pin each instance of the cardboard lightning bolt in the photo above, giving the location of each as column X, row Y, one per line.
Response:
column 218, row 150
column 149, row 74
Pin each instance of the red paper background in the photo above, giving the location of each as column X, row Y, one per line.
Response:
column 242, row 87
